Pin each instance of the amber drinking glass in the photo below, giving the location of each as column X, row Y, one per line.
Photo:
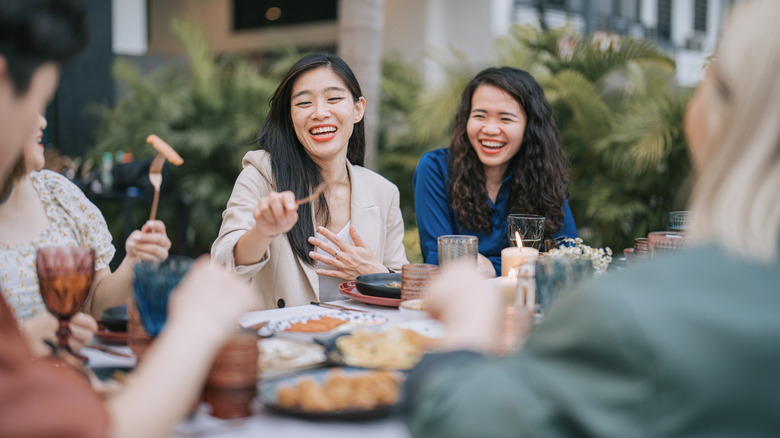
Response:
column 65, row 275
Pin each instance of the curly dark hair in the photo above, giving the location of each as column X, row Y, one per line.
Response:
column 291, row 165
column 539, row 169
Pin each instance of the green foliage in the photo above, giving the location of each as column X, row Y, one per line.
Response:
column 399, row 150
column 210, row 111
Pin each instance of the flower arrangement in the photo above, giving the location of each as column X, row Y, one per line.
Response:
column 574, row 248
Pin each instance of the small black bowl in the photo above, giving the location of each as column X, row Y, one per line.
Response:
column 377, row 285
column 115, row 318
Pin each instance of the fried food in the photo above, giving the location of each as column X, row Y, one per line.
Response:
column 340, row 392
column 324, row 324
column 396, row 348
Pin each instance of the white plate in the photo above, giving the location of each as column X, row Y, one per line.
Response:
column 281, row 356
column 354, row 320
column 426, row 327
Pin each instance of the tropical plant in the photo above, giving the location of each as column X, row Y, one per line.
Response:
column 210, row 111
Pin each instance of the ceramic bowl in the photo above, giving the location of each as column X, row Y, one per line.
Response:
column 115, row 318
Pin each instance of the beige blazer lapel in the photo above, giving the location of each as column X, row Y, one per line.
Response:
column 365, row 213
column 311, row 271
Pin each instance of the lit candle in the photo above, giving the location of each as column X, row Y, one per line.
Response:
column 513, row 257
column 507, row 287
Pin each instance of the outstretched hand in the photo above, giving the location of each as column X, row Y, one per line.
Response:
column 211, row 298
column 349, row 260
column 467, row 306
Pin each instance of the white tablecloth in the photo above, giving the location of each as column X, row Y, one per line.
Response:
column 266, row 423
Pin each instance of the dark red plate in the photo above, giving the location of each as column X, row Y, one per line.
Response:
column 348, row 288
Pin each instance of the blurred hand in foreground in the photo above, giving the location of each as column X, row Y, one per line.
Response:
column 211, row 298
column 468, row 307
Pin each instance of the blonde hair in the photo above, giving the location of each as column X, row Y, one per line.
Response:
column 737, row 195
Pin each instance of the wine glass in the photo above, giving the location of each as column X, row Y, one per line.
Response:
column 152, row 285
column 64, row 276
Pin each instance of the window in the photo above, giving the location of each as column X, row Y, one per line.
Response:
column 700, row 15
column 664, row 19
column 258, row 14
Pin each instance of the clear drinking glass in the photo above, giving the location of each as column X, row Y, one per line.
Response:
column 457, row 247
column 530, row 227
column 679, row 220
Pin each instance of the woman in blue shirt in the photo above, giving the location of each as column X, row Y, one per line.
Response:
column 505, row 157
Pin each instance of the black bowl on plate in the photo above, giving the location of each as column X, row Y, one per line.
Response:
column 115, row 318
column 377, row 285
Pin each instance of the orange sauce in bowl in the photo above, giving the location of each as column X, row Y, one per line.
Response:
column 324, row 324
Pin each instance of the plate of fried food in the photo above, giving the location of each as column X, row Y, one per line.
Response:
column 340, row 393
column 399, row 347
column 324, row 326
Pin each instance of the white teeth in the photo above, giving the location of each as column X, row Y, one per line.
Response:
column 323, row 130
column 492, row 144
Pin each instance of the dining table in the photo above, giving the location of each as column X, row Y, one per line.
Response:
column 264, row 421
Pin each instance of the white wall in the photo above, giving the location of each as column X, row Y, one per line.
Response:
column 128, row 27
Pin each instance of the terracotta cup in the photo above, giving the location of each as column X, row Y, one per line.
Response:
column 137, row 338
column 231, row 384
column 415, row 279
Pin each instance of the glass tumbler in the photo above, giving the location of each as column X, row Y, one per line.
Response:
column 679, row 220
column 530, row 228
column 456, row 247
column 415, row 279
column 152, row 285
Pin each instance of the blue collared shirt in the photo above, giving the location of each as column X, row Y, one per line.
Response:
column 436, row 217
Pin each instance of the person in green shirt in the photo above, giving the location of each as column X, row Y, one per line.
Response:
column 685, row 345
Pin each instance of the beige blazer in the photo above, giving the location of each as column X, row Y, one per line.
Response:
column 280, row 277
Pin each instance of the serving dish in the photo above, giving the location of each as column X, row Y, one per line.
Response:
column 379, row 285
column 285, row 356
column 394, row 347
column 269, row 395
column 352, row 320
column 348, row 288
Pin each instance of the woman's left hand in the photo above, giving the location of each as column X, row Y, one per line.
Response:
column 150, row 243
column 349, row 260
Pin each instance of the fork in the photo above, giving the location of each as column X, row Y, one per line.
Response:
column 155, row 177
column 317, row 190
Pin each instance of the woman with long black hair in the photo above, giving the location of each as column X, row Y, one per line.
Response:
column 505, row 157
column 313, row 134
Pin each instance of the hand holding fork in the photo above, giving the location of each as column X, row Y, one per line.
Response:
column 155, row 169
